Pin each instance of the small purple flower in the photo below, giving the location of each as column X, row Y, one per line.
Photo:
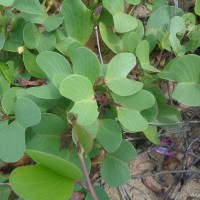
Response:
column 164, row 151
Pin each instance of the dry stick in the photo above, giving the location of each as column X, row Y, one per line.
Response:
column 99, row 49
column 80, row 154
column 165, row 172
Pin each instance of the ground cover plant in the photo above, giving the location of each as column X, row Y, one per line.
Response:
column 67, row 109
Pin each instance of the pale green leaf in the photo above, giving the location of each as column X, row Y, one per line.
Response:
column 48, row 91
column 86, row 64
column 109, row 135
column 27, row 112
column 53, row 63
column 12, row 143
column 142, row 52
column 31, row 7
column 33, row 39
column 111, row 39
column 77, row 19
column 84, row 138
column 6, row 2
column 114, row 6
column 36, row 182
column 133, row 2
column 197, row 7
column 54, row 163
column 124, row 23
column 152, row 134
column 31, row 65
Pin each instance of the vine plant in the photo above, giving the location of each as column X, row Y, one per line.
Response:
column 53, row 87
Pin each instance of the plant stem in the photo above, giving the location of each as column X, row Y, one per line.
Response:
column 80, row 154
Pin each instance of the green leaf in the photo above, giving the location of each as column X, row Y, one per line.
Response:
column 12, row 143
column 79, row 89
column 5, row 192
column 77, row 19
column 31, row 7
column 152, row 134
column 112, row 40
column 197, row 7
column 133, row 2
column 160, row 19
column 52, row 22
column 187, row 73
column 84, row 138
column 142, row 52
column 31, row 65
column 68, row 46
column 48, row 133
column 33, row 39
column 2, row 41
column 116, row 73
column 129, row 109
column 6, row 2
column 109, row 134
column 36, row 182
column 130, row 41
column 27, row 112
column 86, row 64
column 54, row 163
column 48, row 91
column 53, row 63
column 114, row 6
column 124, row 23
column 166, row 114
column 8, row 100
column 101, row 194
column 4, row 84
column 15, row 38
column 177, row 25
column 114, row 168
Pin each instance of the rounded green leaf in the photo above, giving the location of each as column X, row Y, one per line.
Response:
column 48, row 133
column 124, row 23
column 30, row 7
column 120, row 65
column 84, row 138
column 12, row 143
column 33, row 39
column 114, row 168
column 27, row 112
column 109, row 134
column 197, row 7
column 77, row 19
column 133, row 2
column 152, row 134
column 114, row 6
column 86, row 64
column 130, row 107
column 48, row 91
column 56, row 164
column 101, row 194
column 53, row 63
column 160, row 19
column 8, row 100
column 79, row 89
column 142, row 52
column 111, row 39
column 39, row 182
column 6, row 2
column 124, row 86
column 31, row 65
column 187, row 72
